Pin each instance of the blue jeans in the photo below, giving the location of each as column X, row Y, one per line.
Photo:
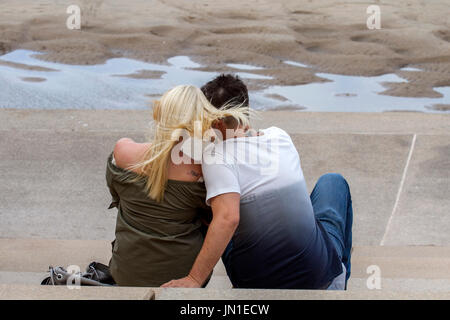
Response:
column 332, row 204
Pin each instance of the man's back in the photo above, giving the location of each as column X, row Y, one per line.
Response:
column 278, row 243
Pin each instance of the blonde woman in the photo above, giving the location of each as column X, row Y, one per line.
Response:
column 160, row 201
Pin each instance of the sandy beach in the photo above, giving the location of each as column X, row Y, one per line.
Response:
column 330, row 36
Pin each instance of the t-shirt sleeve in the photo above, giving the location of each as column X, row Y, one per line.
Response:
column 220, row 176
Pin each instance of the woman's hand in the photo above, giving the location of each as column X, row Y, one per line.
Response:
column 186, row 282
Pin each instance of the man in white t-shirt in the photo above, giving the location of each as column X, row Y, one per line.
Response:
column 269, row 231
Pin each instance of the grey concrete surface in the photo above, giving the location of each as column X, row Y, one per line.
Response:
column 252, row 294
column 423, row 213
column 371, row 164
column 222, row 282
column 402, row 285
column 31, row 292
column 406, row 272
column 292, row 122
column 419, row 262
column 35, row 255
column 53, row 184
column 12, row 277
column 52, row 165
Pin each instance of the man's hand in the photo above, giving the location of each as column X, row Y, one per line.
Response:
column 186, row 282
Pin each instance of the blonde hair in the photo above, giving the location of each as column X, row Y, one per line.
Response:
column 180, row 109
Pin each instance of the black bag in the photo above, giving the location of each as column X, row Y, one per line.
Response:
column 97, row 274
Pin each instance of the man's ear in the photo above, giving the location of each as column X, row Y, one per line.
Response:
column 217, row 124
column 221, row 126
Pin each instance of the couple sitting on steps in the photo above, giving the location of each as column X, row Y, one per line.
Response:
column 269, row 232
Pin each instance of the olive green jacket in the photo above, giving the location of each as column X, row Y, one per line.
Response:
column 155, row 242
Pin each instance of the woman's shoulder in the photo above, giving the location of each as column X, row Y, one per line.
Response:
column 127, row 152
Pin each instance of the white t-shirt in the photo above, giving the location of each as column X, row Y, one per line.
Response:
column 248, row 165
column 282, row 227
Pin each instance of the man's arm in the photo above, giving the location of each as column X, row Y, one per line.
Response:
column 225, row 208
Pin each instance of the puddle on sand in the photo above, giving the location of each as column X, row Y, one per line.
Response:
column 296, row 64
column 410, row 69
column 102, row 86
column 355, row 94
column 244, row 66
column 107, row 86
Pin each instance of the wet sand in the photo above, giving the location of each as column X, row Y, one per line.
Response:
column 330, row 36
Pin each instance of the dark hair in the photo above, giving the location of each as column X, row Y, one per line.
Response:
column 226, row 89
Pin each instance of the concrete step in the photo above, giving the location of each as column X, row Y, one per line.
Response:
column 35, row 255
column 264, row 294
column 405, row 285
column 417, row 262
column 223, row 283
column 360, row 284
column 30, row 292
column 412, row 268
column 11, row 277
